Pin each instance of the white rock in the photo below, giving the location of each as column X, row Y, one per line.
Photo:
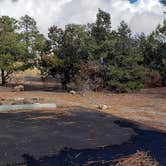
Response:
column 103, row 107
column 19, row 88
column 73, row 92
column 19, row 99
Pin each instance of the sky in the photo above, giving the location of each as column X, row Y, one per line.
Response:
column 141, row 15
column 132, row 1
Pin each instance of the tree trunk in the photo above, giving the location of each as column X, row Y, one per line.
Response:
column 3, row 78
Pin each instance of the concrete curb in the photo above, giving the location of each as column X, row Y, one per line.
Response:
column 26, row 107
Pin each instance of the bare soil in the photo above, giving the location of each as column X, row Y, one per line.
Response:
column 132, row 122
column 147, row 107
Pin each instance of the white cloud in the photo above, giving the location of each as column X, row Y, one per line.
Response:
column 142, row 16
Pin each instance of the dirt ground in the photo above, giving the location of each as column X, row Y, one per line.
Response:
column 147, row 107
column 77, row 123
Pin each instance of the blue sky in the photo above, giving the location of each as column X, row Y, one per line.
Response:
column 132, row 1
column 142, row 16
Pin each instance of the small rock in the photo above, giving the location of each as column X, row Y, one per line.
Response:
column 19, row 99
column 35, row 98
column 103, row 107
column 73, row 92
column 19, row 88
column 27, row 101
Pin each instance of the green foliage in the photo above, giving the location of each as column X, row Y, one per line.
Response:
column 32, row 39
column 90, row 55
column 68, row 45
column 125, row 68
column 49, row 64
column 103, row 58
column 7, row 62
column 11, row 48
column 123, row 80
column 102, row 26
column 154, row 50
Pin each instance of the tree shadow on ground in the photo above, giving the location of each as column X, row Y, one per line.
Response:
column 74, row 127
column 39, row 86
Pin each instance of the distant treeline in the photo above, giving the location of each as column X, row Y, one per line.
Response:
column 91, row 56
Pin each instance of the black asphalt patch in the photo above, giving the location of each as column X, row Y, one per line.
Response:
column 86, row 134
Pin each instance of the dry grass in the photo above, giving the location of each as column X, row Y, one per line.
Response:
column 30, row 72
column 144, row 104
column 137, row 159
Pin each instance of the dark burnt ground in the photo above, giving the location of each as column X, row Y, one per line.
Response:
column 32, row 135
